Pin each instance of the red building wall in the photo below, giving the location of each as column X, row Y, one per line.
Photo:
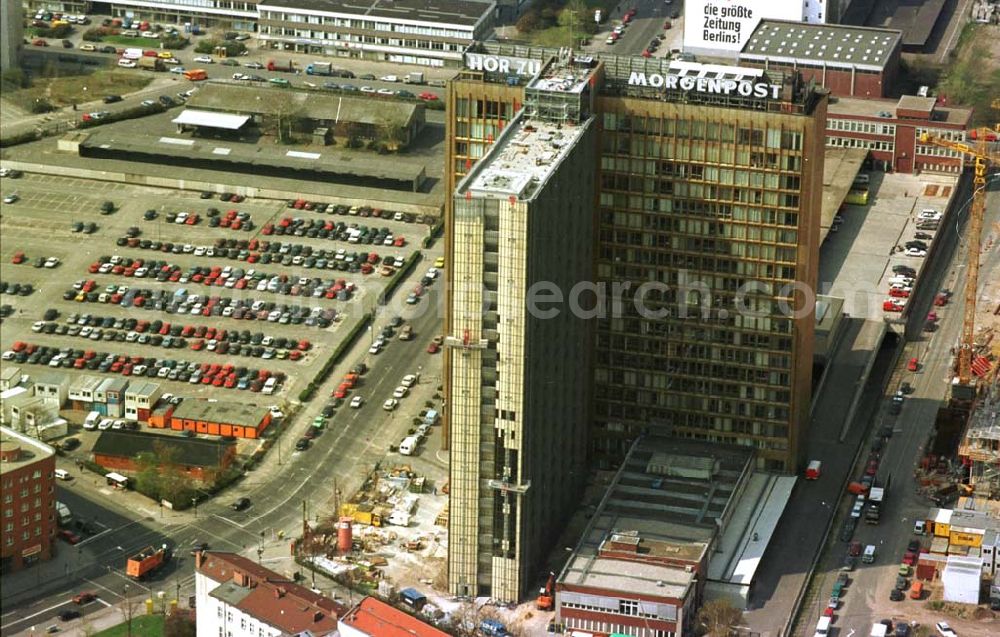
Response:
column 612, row 619
column 32, row 485
column 124, row 464
column 212, row 428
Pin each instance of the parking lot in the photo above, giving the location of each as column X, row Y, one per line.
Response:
column 209, row 296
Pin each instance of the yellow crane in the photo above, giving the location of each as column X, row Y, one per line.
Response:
column 982, row 158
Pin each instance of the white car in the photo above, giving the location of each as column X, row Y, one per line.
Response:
column 432, row 273
column 376, row 348
column 915, row 252
column 409, row 380
column 204, row 59
column 945, row 630
column 400, row 392
column 177, row 69
column 105, row 424
column 389, row 404
column 52, row 262
column 241, row 76
column 367, row 89
column 386, row 91
column 356, row 402
column 11, row 198
column 125, row 63
column 38, row 326
column 389, row 78
column 929, row 213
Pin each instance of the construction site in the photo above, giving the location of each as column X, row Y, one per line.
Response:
column 963, row 456
column 390, row 534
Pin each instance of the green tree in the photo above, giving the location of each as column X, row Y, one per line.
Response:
column 147, row 480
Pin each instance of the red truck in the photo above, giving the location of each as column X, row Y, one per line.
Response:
column 288, row 67
column 147, row 561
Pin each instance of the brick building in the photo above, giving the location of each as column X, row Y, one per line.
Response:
column 27, row 469
column 238, row 598
column 215, row 418
column 890, row 130
column 848, row 60
column 201, row 459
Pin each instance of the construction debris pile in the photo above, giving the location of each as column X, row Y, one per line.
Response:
column 387, row 497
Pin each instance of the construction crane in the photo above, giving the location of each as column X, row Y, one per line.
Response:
column 982, row 158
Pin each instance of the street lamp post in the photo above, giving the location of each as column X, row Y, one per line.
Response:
column 194, row 502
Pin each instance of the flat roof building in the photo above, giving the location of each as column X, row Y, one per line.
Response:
column 520, row 373
column 219, row 418
column 404, row 31
column 849, row 61
column 890, row 131
column 198, row 458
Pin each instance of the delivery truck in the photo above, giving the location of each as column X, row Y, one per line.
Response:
column 287, row 67
column 150, row 64
column 415, row 77
column 147, row 561
column 319, row 68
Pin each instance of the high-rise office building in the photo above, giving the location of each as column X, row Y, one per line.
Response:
column 706, row 240
column 521, row 232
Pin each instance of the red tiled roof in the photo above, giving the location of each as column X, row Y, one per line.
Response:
column 378, row 619
column 273, row 599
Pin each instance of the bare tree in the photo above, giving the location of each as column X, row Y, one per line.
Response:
column 128, row 609
column 284, row 110
column 719, row 616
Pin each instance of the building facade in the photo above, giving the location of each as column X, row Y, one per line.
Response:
column 406, row 31
column 12, row 35
column 199, row 459
column 706, row 232
column 27, row 476
column 228, row 14
column 520, row 396
column 890, row 130
column 236, row 597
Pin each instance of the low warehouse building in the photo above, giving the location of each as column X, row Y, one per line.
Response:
column 368, row 119
column 200, row 458
column 962, row 579
column 218, row 418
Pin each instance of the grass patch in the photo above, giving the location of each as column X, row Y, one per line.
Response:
column 146, row 43
column 970, row 79
column 145, row 625
column 64, row 91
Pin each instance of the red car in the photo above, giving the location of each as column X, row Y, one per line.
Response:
column 892, row 305
column 899, row 293
column 913, row 365
column 69, row 536
column 83, row 598
column 18, row 258
column 341, row 392
column 433, row 348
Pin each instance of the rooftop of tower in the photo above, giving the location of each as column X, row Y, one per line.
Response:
column 523, row 157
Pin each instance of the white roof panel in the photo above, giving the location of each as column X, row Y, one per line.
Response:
column 211, row 119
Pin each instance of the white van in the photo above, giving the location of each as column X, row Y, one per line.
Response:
column 408, row 446
column 869, row 555
column 823, row 627
column 90, row 422
column 62, row 474
column 270, row 385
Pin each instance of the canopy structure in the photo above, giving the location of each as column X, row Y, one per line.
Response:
column 211, row 119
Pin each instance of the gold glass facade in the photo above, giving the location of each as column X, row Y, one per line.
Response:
column 706, row 241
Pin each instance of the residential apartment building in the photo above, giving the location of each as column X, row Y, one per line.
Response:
column 520, row 381
column 374, row 618
column 890, row 130
column 706, row 243
column 27, row 477
column 404, row 31
column 235, row 597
